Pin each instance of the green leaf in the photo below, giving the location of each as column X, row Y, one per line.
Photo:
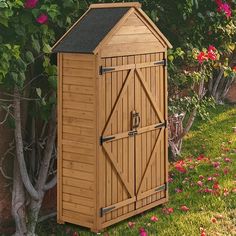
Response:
column 4, row 21
column 29, row 56
column 47, row 48
column 36, row 45
column 39, row 92
column 3, row 4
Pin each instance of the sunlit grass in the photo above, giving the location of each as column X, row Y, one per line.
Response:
column 214, row 139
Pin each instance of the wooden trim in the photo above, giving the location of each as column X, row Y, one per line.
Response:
column 151, row 23
column 151, row 98
column 135, row 212
column 149, row 193
column 68, row 31
column 121, row 204
column 149, row 163
column 119, row 98
column 59, row 131
column 114, row 29
column 113, row 5
column 119, row 171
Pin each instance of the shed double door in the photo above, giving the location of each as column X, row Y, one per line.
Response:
column 133, row 135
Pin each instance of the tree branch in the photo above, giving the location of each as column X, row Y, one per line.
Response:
column 19, row 148
column 50, row 184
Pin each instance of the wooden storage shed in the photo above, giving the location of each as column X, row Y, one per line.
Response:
column 112, row 114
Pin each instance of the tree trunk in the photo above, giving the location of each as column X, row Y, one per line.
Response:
column 18, row 202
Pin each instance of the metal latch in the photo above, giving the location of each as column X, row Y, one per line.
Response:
column 133, row 133
column 105, row 70
column 163, row 62
column 135, row 120
column 106, row 209
column 106, row 139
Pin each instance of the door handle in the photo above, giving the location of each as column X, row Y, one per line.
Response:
column 135, row 120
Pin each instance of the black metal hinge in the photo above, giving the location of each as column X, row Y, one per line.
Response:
column 162, row 187
column 105, row 139
column 161, row 125
column 163, row 62
column 105, row 70
column 105, row 210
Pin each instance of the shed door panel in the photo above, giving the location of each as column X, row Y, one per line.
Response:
column 118, row 153
column 150, row 141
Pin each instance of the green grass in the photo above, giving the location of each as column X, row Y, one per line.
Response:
column 216, row 141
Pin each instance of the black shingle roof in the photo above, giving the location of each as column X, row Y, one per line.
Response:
column 91, row 30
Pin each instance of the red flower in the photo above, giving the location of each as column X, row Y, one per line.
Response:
column 154, row 219
column 216, row 164
column 30, row 4
column 211, row 48
column 42, row 19
column 216, row 186
column 201, row 177
column 143, row 232
column 226, row 170
column 213, row 220
column 224, row 7
column 226, row 192
column 131, row 224
column 75, row 234
column 179, row 166
column 234, row 68
column 201, row 57
column 168, row 211
column 184, row 208
column 211, row 55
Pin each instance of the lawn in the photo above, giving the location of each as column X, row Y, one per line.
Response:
column 202, row 188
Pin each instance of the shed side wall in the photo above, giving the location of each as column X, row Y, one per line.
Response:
column 78, row 138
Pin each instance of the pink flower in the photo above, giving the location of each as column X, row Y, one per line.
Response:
column 177, row 190
column 75, row 234
column 30, row 4
column 42, row 19
column 201, row 177
column 131, row 224
column 208, row 190
column 216, row 186
column 216, row 164
column 170, row 180
column 224, row 7
column 200, row 183
column 184, row 208
column 210, row 179
column 227, row 160
column 143, row 232
column 201, row 57
column 154, row 219
column 226, row 170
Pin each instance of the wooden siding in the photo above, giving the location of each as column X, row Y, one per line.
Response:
column 77, row 133
column 133, row 37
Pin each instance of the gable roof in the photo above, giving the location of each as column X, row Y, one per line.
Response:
column 86, row 35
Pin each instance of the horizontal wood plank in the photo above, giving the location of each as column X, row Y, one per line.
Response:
column 83, row 98
column 132, row 38
column 124, row 30
column 78, row 183
column 78, row 106
column 77, row 199
column 77, row 144
column 78, row 56
column 78, row 72
column 78, row 80
column 78, row 64
column 78, row 191
column 84, row 158
column 87, row 210
column 78, row 122
column 78, row 166
column 78, row 130
column 79, row 114
column 78, row 174
column 78, row 89
column 79, row 138
column 78, row 218
column 75, row 149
